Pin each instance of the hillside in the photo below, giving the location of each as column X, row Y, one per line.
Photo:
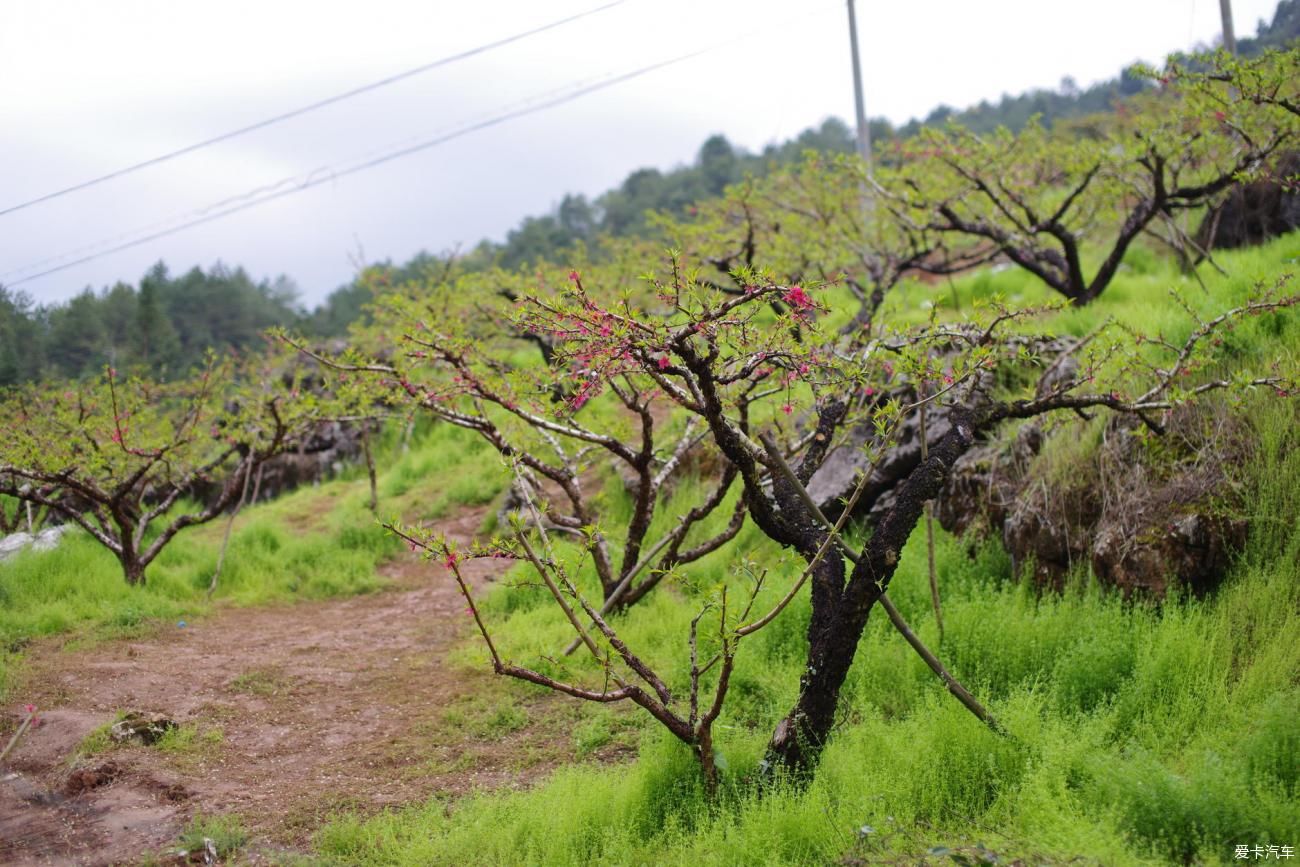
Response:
column 942, row 514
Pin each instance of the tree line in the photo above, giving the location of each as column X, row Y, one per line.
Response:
column 166, row 324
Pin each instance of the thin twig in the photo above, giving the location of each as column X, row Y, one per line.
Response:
column 230, row 524
column 13, row 741
column 929, row 531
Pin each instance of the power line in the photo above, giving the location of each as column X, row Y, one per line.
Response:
column 287, row 185
column 328, row 174
column 316, row 179
column 331, row 100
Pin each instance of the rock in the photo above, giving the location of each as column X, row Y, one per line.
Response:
column 1032, row 537
column 329, row 448
column 140, row 728
column 45, row 540
column 631, row 481
column 513, row 507
column 13, row 543
column 1192, row 552
column 48, row 539
column 836, row 478
column 1255, row 212
column 976, row 494
column 1144, row 528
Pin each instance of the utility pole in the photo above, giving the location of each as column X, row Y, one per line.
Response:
column 864, row 133
column 1225, row 9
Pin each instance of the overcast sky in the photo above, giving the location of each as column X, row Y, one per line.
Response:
column 88, row 86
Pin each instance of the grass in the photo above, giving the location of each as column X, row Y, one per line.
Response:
column 485, row 720
column 98, row 741
column 1140, row 734
column 226, row 833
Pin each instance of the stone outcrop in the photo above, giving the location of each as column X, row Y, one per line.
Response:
column 1144, row 525
column 45, row 540
column 1257, row 211
column 331, row 447
column 836, row 478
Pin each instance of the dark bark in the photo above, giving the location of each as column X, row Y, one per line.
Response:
column 132, row 566
column 840, row 617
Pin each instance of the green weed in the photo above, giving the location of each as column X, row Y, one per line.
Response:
column 226, row 833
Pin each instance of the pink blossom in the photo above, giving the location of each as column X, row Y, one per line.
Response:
column 797, row 298
column 29, row 708
column 573, row 275
column 449, row 561
column 664, row 363
column 787, row 409
column 868, row 391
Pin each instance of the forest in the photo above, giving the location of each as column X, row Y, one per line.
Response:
column 779, row 509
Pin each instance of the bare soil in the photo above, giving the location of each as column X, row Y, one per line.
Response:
column 292, row 713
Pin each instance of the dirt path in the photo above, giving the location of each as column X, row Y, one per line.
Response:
column 291, row 712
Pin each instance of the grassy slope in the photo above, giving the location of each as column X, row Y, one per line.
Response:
column 315, row 542
column 1140, row 735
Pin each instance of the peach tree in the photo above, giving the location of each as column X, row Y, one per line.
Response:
column 119, row 454
column 776, row 396
column 1067, row 207
column 823, row 220
column 457, row 353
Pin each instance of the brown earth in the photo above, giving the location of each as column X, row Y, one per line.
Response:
column 292, row 713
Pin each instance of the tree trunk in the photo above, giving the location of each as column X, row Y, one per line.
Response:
column 708, row 763
column 132, row 568
column 798, row 740
column 370, row 467
column 839, row 618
